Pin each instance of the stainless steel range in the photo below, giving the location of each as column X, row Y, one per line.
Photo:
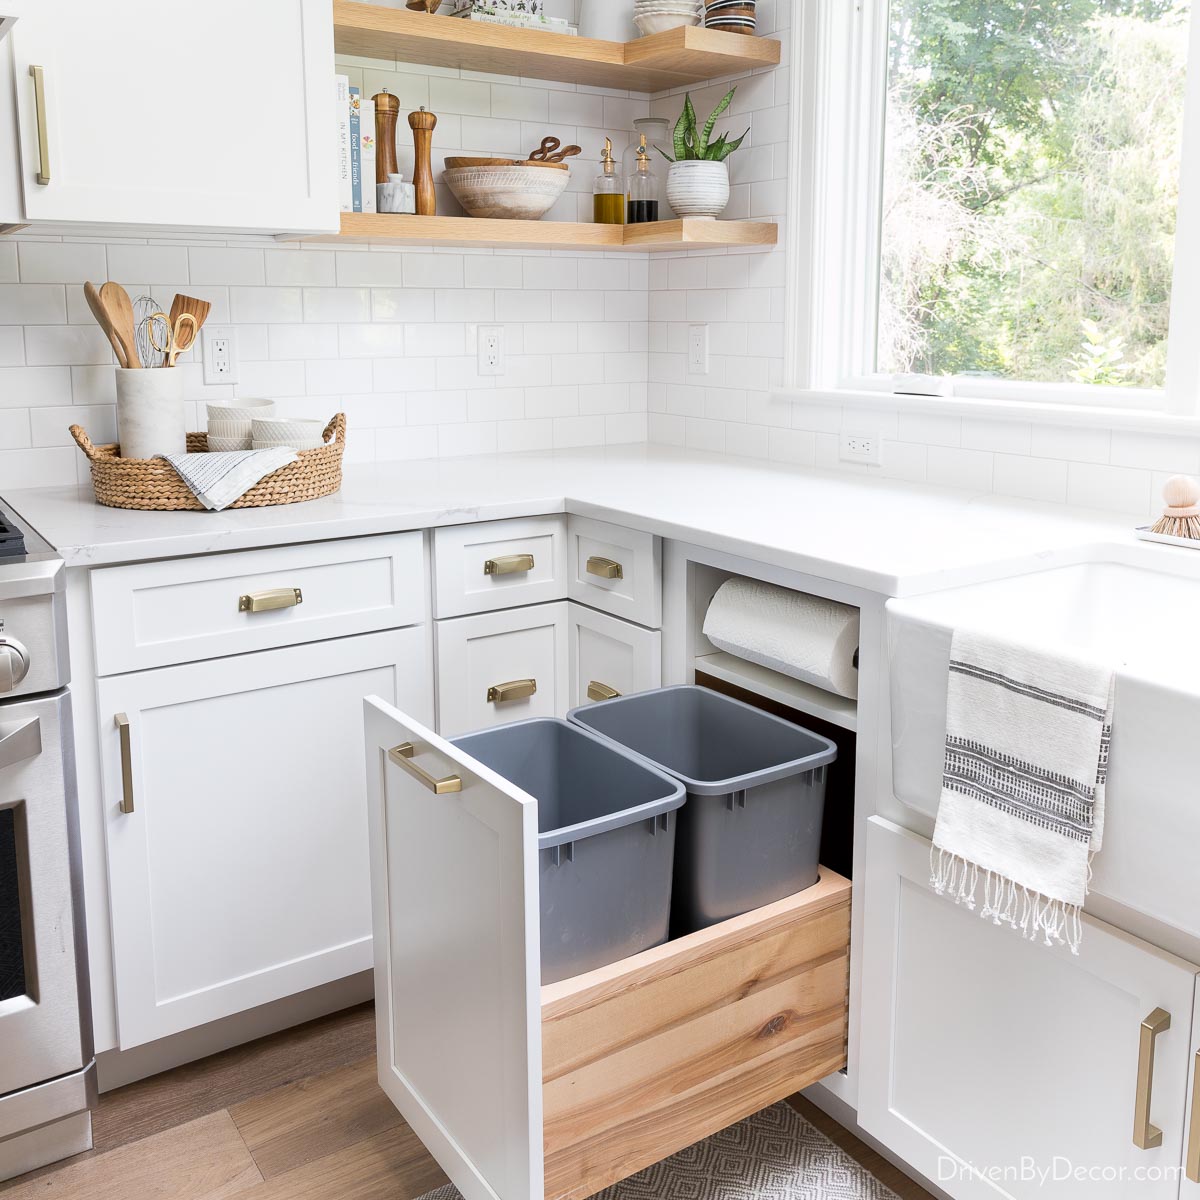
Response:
column 47, row 1074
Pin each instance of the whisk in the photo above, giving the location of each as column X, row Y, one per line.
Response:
column 143, row 307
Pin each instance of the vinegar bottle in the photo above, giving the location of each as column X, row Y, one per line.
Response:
column 608, row 194
column 643, row 189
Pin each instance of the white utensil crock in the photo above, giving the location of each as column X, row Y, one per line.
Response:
column 608, row 20
column 150, row 412
column 698, row 188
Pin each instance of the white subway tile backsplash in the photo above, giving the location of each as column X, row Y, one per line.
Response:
column 1030, row 478
column 1117, row 489
column 268, row 305
column 336, row 304
column 62, row 262
column 300, row 268
column 12, row 347
column 1072, row 442
column 8, row 262
column 130, row 264
column 32, row 304
column 52, row 344
column 226, row 265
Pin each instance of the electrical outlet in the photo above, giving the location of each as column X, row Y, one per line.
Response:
column 697, row 349
column 862, row 448
column 220, row 353
column 490, row 341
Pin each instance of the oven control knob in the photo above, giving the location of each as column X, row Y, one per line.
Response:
column 14, row 663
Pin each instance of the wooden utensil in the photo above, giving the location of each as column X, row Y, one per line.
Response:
column 198, row 310
column 119, row 308
column 454, row 162
column 549, row 151
column 422, row 124
column 180, row 334
column 429, row 6
column 92, row 296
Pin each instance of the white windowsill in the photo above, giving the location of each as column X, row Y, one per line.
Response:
column 1136, row 420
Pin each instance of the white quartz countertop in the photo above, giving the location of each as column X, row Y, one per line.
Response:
column 886, row 537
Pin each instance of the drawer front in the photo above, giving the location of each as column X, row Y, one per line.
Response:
column 498, row 564
column 649, row 1055
column 611, row 657
column 488, row 662
column 618, row 570
column 185, row 610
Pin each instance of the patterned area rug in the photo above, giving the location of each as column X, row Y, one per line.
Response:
column 774, row 1155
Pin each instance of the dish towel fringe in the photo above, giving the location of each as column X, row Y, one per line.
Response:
column 217, row 480
column 1022, row 804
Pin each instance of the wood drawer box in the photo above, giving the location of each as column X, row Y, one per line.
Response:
column 187, row 609
column 524, row 1090
column 614, row 569
column 498, row 564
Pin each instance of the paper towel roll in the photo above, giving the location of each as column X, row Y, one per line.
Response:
column 806, row 637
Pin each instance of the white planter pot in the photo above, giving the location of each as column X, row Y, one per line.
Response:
column 698, row 188
column 608, row 20
column 150, row 412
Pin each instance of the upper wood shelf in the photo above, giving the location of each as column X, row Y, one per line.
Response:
column 677, row 58
column 480, row 232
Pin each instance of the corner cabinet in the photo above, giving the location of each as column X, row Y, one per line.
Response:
column 212, row 116
column 988, row 1060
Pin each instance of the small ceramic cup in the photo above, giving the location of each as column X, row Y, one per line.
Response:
column 300, row 433
column 233, row 419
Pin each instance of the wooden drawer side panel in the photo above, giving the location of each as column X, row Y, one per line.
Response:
column 648, row 1056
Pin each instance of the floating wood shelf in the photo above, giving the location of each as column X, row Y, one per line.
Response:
column 405, row 229
column 677, row 58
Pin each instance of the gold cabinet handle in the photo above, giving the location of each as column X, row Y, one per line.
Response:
column 605, row 568
column 403, row 756
column 43, row 133
column 270, row 600
column 122, row 723
column 601, row 691
column 1145, row 1135
column 516, row 689
column 1192, row 1162
column 508, row 564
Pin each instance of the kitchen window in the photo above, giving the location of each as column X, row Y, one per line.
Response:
column 1002, row 189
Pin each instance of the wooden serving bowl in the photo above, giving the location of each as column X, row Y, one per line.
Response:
column 521, row 192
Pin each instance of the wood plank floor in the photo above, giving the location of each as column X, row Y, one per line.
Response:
column 296, row 1116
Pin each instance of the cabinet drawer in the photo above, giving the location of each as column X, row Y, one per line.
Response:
column 183, row 610
column 610, row 656
column 479, row 655
column 498, row 564
column 618, row 570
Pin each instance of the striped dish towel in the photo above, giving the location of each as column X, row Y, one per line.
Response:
column 217, row 480
column 1022, row 803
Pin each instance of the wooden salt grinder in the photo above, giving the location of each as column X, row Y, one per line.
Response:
column 387, row 110
column 422, row 124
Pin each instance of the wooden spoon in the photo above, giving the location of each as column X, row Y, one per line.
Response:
column 102, row 319
column 119, row 309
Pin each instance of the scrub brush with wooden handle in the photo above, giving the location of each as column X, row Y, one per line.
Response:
column 1181, row 517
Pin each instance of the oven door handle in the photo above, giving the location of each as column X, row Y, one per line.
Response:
column 20, row 740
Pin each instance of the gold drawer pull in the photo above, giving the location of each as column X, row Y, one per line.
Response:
column 517, row 689
column 1145, row 1135
column 1192, row 1162
column 601, row 691
column 121, row 721
column 43, row 133
column 508, row 564
column 606, row 568
column 403, row 755
column 270, row 600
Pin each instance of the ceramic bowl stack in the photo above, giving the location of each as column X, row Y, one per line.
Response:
column 519, row 192
column 298, row 433
column 230, row 423
column 733, row 16
column 657, row 16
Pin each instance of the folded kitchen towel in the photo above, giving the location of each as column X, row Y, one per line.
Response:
column 1022, row 802
column 217, row 480
column 807, row 637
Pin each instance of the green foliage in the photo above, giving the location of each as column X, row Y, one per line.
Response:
column 692, row 144
column 1030, row 188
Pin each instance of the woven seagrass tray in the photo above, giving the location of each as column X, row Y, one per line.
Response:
column 152, row 483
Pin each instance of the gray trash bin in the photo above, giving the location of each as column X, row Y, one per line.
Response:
column 606, row 840
column 750, row 833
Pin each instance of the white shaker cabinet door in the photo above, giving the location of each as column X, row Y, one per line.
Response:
column 454, row 888
column 988, row 1060
column 217, row 115
column 240, row 875
column 610, row 656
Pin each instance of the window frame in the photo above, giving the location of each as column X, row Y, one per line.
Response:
column 838, row 99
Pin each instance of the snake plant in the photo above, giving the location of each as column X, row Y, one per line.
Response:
column 693, row 144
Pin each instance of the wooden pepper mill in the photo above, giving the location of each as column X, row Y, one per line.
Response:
column 387, row 110
column 422, row 124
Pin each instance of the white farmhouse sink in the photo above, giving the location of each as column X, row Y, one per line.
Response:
column 1146, row 623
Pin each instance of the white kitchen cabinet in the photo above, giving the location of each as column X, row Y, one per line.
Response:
column 240, row 875
column 211, row 116
column 610, row 656
column 982, row 1049
column 618, row 570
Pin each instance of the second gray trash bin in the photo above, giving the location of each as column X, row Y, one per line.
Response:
column 606, row 839
column 750, row 832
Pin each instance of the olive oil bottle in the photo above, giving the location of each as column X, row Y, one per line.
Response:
column 608, row 193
